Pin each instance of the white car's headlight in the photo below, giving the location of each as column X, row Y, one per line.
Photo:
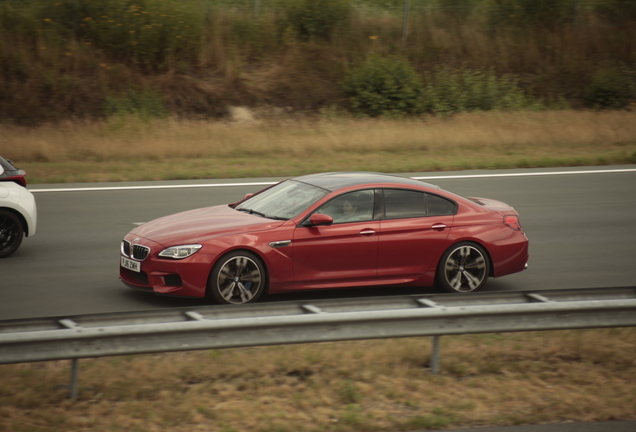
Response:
column 180, row 252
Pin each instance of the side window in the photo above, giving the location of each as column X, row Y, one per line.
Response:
column 400, row 203
column 438, row 206
column 350, row 207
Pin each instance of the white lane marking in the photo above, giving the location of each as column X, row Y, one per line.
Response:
column 138, row 223
column 119, row 188
column 440, row 177
column 548, row 173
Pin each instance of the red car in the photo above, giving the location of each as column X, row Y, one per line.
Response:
column 332, row 230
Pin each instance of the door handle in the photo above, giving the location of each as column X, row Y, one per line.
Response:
column 438, row 227
column 367, row 232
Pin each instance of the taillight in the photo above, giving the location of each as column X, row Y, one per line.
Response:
column 19, row 179
column 512, row 222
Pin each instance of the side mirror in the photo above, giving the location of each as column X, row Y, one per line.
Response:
column 249, row 195
column 317, row 219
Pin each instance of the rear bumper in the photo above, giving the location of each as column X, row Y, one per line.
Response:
column 511, row 257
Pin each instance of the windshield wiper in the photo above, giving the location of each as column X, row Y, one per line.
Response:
column 276, row 218
column 252, row 211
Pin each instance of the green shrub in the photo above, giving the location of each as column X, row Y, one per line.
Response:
column 17, row 21
column 384, row 86
column 609, row 88
column 455, row 11
column 349, row 393
column 431, row 421
column 148, row 33
column 535, row 14
column 316, row 18
column 616, row 11
column 144, row 104
column 450, row 91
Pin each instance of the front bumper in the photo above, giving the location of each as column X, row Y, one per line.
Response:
column 182, row 278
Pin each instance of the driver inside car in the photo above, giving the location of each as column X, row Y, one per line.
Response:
column 351, row 207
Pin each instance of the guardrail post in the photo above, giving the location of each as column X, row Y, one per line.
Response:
column 435, row 356
column 74, row 378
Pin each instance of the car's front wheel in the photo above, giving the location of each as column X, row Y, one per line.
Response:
column 238, row 277
column 11, row 233
column 464, row 267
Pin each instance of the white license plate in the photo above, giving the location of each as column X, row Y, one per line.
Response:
column 130, row 264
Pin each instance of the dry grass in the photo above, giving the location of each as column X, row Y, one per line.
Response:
column 491, row 379
column 172, row 149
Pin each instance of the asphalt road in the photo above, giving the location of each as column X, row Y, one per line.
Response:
column 581, row 226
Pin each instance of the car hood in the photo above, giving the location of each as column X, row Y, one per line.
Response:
column 195, row 226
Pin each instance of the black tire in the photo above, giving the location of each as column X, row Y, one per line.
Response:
column 464, row 267
column 237, row 278
column 11, row 233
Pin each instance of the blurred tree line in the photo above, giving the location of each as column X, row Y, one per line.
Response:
column 195, row 58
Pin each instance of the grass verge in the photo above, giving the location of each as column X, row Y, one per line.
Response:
column 380, row 385
column 133, row 149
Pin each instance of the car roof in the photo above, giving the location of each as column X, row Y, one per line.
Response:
column 337, row 180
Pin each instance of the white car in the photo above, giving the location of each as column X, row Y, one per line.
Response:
column 18, row 211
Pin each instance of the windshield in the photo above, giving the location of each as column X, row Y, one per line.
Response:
column 286, row 200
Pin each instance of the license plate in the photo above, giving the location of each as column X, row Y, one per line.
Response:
column 130, row 264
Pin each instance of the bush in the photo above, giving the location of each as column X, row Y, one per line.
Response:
column 616, row 12
column 451, row 91
column 316, row 18
column 148, row 33
column 609, row 88
column 145, row 104
column 536, row 14
column 384, row 86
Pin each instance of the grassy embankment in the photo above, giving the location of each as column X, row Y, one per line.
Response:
column 172, row 149
column 195, row 58
column 385, row 385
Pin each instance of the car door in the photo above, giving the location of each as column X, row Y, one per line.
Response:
column 344, row 253
column 413, row 233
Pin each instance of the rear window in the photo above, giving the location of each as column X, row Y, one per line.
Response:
column 438, row 206
column 399, row 203
column 404, row 203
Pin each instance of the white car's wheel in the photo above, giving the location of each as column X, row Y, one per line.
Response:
column 11, row 233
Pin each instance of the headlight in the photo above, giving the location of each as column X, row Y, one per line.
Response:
column 180, row 252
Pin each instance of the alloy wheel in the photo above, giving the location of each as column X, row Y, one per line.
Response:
column 465, row 269
column 239, row 280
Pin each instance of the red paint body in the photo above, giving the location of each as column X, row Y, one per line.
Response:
column 354, row 254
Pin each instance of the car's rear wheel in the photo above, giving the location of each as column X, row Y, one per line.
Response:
column 464, row 267
column 238, row 277
column 11, row 233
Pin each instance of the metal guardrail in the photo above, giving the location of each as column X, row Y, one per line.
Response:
column 214, row 327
